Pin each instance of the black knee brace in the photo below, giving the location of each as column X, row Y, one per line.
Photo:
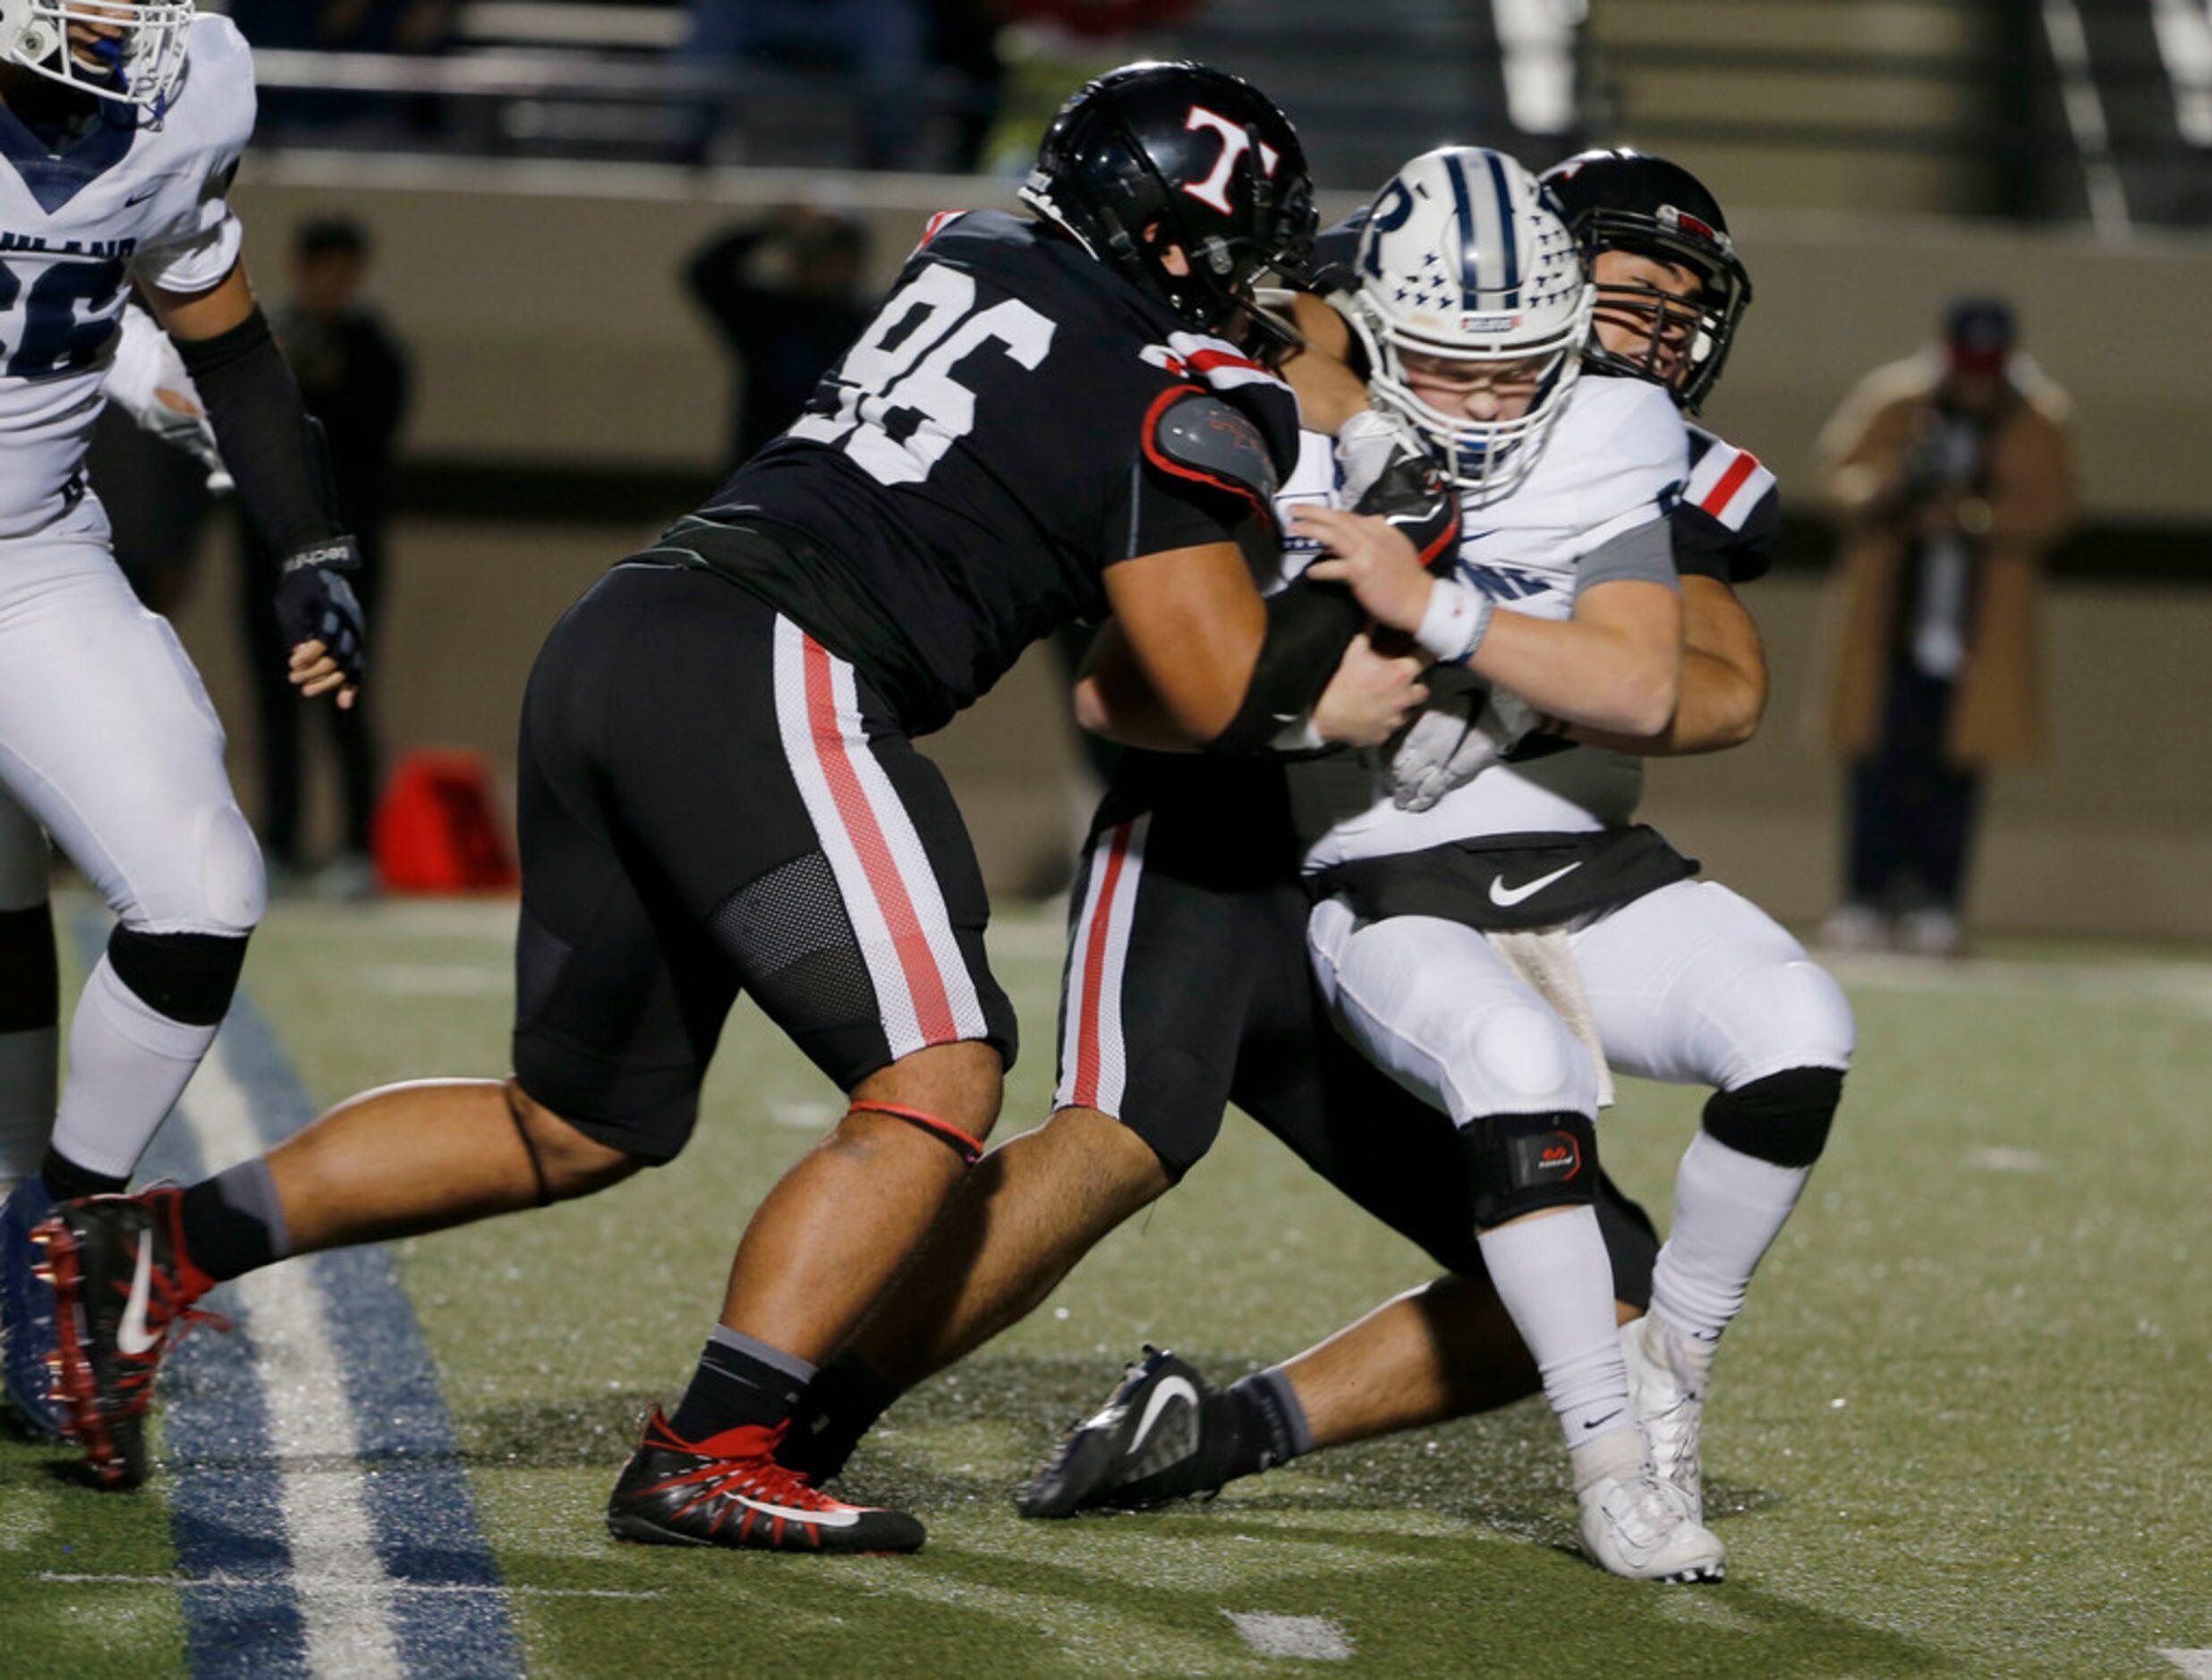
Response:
column 1517, row 1163
column 1782, row 1118
column 30, row 987
column 188, row 977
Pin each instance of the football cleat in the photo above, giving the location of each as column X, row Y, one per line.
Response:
column 1642, row 1528
column 29, row 1356
column 1151, row 1442
column 729, row 1490
column 1670, row 1407
column 122, row 1297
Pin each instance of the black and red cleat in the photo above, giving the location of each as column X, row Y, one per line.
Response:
column 123, row 1298
column 729, row 1490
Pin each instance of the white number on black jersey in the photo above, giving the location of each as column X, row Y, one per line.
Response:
column 899, row 409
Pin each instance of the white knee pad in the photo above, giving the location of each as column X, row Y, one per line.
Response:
column 1792, row 1014
column 1518, row 1058
column 215, row 884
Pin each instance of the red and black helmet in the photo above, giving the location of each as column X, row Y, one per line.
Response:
column 1620, row 199
column 1200, row 155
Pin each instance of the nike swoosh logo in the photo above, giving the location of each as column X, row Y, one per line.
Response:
column 1170, row 1389
column 141, row 198
column 1506, row 898
column 821, row 1519
column 1599, row 1423
column 131, row 1337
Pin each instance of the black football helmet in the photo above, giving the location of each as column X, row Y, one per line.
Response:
column 1620, row 199
column 1201, row 156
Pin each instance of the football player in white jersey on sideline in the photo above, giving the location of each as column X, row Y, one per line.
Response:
column 121, row 125
column 1678, row 980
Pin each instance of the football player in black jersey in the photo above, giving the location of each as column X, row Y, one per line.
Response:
column 1215, row 1002
column 1047, row 420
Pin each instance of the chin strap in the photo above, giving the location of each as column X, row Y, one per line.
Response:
column 970, row 1149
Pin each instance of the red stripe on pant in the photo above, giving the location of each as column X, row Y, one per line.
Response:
column 1719, row 497
column 1087, row 1047
column 931, row 1011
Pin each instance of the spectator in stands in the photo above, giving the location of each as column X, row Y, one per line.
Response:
column 783, row 331
column 1950, row 477
column 353, row 374
column 880, row 47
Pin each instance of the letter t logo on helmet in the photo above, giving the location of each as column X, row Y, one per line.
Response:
column 1154, row 156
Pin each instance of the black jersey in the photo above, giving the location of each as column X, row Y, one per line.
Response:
column 1729, row 515
column 965, row 474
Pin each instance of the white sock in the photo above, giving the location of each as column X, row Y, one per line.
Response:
column 1553, row 1274
column 1729, row 1207
column 128, row 1064
column 27, row 1079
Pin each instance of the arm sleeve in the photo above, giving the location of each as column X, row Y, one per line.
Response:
column 1645, row 554
column 274, row 451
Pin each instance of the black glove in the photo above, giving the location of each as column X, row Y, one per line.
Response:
column 1387, row 470
column 315, row 602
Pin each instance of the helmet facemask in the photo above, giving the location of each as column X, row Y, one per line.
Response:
column 1702, row 325
column 139, row 66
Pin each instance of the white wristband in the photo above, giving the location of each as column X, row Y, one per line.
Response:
column 1455, row 623
column 1300, row 734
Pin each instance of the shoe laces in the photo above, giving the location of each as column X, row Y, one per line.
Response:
column 741, row 1462
column 170, row 1316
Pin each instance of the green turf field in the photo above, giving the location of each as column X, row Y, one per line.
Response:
column 1965, row 1426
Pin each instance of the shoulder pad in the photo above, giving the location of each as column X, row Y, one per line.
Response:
column 1195, row 435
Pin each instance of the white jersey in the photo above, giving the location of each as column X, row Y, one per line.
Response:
column 121, row 202
column 1615, row 461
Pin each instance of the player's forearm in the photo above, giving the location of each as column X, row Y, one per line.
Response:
column 1601, row 676
column 272, row 449
column 1723, row 686
column 1720, row 706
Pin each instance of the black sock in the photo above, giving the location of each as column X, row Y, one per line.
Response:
column 841, row 1405
column 234, row 1222
column 739, row 1382
column 1270, row 1425
column 65, row 1180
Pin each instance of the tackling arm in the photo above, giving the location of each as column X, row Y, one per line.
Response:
column 1723, row 686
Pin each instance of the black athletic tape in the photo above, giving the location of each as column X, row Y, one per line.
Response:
column 529, row 1144
column 1783, row 1119
column 30, row 984
column 1309, row 625
column 273, row 451
column 1521, row 1163
column 188, row 977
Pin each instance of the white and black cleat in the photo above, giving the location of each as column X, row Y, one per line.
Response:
column 1145, row 1447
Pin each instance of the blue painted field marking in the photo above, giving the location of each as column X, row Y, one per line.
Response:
column 260, row 1519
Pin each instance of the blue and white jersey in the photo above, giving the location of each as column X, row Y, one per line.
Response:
column 1616, row 460
column 117, row 203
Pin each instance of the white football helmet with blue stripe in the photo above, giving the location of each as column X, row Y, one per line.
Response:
column 1464, row 256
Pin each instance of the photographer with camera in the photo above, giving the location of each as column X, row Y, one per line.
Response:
column 1950, row 476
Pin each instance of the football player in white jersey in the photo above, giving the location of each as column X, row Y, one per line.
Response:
column 1678, row 980
column 121, row 125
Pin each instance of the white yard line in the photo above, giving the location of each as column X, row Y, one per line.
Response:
column 1310, row 1638
column 345, row 1593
